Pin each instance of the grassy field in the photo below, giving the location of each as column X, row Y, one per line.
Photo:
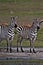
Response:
column 22, row 62
column 26, row 10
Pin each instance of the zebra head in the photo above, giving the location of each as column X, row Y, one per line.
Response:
column 13, row 22
column 36, row 24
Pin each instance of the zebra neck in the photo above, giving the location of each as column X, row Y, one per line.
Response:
column 11, row 29
column 34, row 29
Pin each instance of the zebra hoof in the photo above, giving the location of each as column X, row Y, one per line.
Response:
column 7, row 50
column 10, row 50
column 34, row 51
column 22, row 50
column 17, row 50
column 30, row 51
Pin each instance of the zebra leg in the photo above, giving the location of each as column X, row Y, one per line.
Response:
column 30, row 46
column 10, row 47
column 0, row 42
column 17, row 45
column 34, row 50
column 21, row 45
column 17, row 48
column 33, row 46
column 30, row 50
column 22, row 49
column 7, row 46
column 18, row 41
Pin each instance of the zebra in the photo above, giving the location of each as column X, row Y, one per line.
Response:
column 7, row 32
column 28, row 33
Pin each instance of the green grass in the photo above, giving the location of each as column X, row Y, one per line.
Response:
column 21, row 62
column 26, row 10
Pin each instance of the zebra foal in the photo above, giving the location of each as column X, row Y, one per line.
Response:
column 7, row 32
column 29, row 33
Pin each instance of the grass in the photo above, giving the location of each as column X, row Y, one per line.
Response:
column 21, row 62
column 26, row 10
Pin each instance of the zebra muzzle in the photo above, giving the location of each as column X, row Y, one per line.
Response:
column 38, row 28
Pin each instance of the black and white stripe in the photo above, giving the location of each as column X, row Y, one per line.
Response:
column 11, row 33
column 19, row 29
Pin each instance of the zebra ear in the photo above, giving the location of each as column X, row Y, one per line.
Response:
column 12, row 18
column 16, row 17
column 40, row 22
column 35, row 20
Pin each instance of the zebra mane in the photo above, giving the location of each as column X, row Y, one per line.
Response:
column 27, row 26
